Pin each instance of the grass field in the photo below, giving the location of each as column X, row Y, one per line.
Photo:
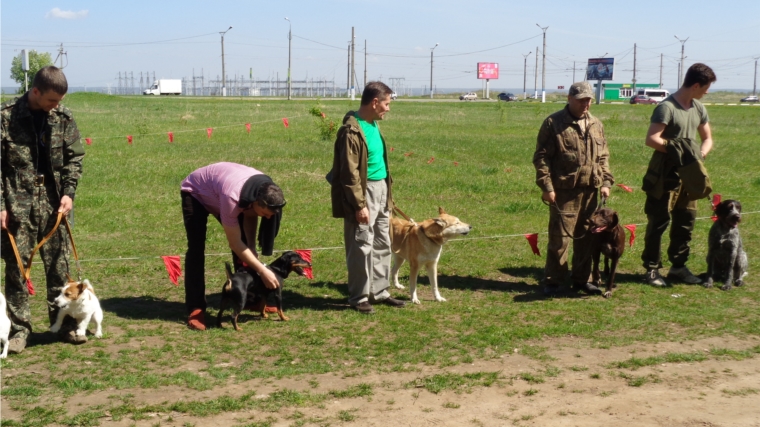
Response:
column 473, row 159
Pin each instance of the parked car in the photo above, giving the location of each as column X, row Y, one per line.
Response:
column 642, row 99
column 393, row 95
column 469, row 96
column 750, row 98
column 506, row 97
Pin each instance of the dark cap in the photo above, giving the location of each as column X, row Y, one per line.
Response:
column 581, row 90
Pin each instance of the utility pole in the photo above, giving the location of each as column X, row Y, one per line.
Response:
column 431, row 70
column 634, row 69
column 525, row 73
column 290, row 40
column 543, row 66
column 573, row 71
column 660, row 71
column 348, row 70
column 224, row 76
column 365, row 62
column 535, row 83
column 353, row 61
column 754, row 85
column 680, row 69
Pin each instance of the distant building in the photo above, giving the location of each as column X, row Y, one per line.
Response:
column 622, row 91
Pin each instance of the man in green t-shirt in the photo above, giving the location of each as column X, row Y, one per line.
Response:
column 361, row 195
column 680, row 115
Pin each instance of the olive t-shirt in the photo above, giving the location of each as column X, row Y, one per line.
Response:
column 679, row 123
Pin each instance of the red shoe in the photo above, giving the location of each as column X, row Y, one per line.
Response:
column 196, row 321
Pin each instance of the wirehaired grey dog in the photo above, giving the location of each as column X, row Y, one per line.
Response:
column 726, row 259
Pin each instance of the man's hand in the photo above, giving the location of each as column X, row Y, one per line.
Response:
column 605, row 192
column 362, row 216
column 66, row 205
column 3, row 220
column 549, row 196
column 269, row 279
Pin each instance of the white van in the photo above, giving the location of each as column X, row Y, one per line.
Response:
column 658, row 95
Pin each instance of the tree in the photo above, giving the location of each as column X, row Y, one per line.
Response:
column 37, row 60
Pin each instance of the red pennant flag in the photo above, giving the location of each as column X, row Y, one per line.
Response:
column 408, row 154
column 456, row 163
column 533, row 241
column 285, row 121
column 209, row 131
column 391, row 148
column 714, row 218
column 715, row 200
column 306, row 255
column 431, row 160
column 172, row 266
column 129, row 139
column 30, row 287
column 171, row 136
column 88, row 141
column 323, row 115
column 632, row 229
column 626, row 188
column 248, row 127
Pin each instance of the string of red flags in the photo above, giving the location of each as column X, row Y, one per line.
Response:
column 171, row 136
column 129, row 139
column 715, row 202
column 285, row 122
column 88, row 141
column 306, row 255
column 533, row 242
column 632, row 229
column 209, row 131
column 248, row 127
column 625, row 187
column 172, row 267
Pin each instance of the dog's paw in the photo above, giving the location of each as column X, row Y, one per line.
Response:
column 416, row 301
column 738, row 282
column 399, row 286
column 98, row 335
column 284, row 318
column 607, row 294
column 440, row 299
column 708, row 283
column 55, row 328
column 726, row 287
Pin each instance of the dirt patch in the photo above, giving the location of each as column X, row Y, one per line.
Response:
column 573, row 385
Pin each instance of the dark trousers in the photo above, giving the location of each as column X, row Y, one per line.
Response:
column 195, row 216
column 659, row 215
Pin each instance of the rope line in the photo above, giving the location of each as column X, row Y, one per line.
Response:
column 332, row 248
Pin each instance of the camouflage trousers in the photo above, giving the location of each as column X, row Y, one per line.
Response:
column 576, row 206
column 29, row 223
column 683, row 212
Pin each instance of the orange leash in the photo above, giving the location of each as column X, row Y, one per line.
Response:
column 26, row 272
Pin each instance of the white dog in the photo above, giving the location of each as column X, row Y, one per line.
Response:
column 78, row 300
column 5, row 327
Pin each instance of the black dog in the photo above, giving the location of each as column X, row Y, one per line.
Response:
column 245, row 289
column 609, row 239
column 726, row 258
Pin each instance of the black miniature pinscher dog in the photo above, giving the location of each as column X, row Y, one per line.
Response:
column 245, row 289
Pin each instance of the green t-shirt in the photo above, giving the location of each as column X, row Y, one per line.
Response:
column 679, row 123
column 376, row 169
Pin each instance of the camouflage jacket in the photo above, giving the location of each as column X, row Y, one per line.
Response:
column 20, row 150
column 566, row 158
column 348, row 176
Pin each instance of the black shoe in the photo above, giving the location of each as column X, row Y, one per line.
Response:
column 550, row 290
column 588, row 288
column 364, row 308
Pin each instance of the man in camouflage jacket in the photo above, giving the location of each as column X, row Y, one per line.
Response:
column 41, row 166
column 572, row 162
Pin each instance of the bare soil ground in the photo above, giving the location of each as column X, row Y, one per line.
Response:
column 583, row 392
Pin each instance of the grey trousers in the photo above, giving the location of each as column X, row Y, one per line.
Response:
column 368, row 249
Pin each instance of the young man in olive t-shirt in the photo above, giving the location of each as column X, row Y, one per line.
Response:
column 680, row 115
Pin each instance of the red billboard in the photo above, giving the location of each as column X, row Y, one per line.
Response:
column 488, row 70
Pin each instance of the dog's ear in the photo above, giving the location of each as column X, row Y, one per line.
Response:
column 433, row 228
column 81, row 286
column 228, row 269
column 441, row 211
column 615, row 220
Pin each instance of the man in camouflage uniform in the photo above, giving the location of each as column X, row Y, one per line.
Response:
column 41, row 165
column 572, row 162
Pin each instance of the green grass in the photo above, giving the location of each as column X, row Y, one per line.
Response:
column 127, row 215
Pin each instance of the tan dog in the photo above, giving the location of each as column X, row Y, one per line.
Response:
column 421, row 244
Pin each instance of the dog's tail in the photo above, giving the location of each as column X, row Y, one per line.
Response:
column 228, row 284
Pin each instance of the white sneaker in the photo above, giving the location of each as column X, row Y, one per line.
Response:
column 653, row 278
column 684, row 275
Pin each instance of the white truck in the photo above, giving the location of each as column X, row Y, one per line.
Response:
column 165, row 87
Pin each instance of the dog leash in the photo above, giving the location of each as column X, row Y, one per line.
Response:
column 27, row 272
column 406, row 217
column 562, row 223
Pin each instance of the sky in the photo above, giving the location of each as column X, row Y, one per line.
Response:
column 175, row 39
